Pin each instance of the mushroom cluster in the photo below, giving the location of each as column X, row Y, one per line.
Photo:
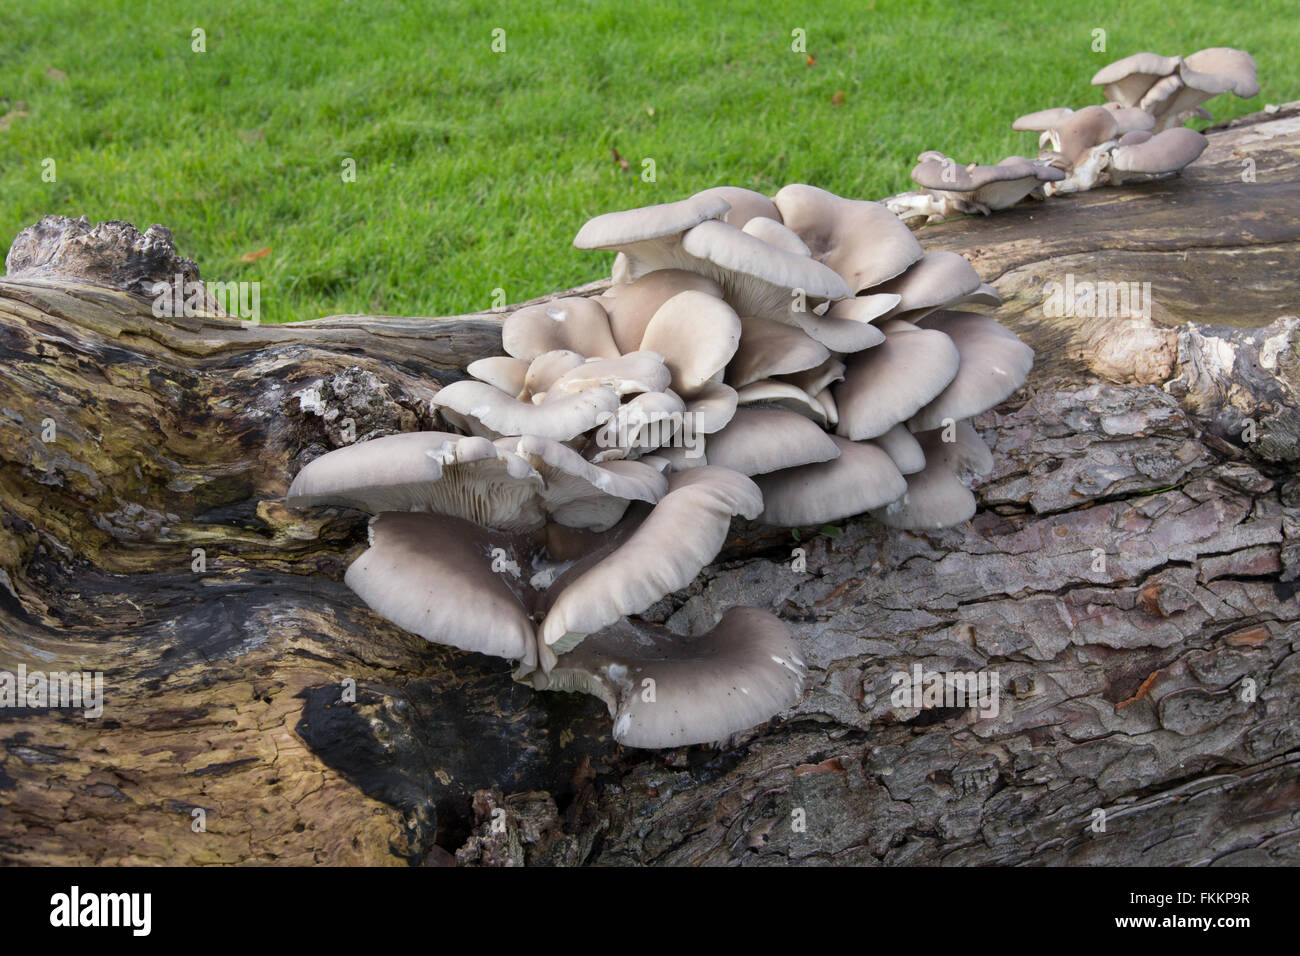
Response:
column 1137, row 134
column 793, row 360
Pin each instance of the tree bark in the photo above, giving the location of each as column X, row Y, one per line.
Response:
column 1131, row 578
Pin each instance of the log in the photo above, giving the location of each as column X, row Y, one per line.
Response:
column 1131, row 579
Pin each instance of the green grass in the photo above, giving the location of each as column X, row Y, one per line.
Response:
column 475, row 168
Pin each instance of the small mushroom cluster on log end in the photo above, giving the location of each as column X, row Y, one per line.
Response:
column 792, row 360
column 1136, row 135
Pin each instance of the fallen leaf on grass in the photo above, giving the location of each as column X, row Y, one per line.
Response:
column 254, row 256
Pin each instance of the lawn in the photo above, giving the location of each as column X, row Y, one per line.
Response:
column 474, row 168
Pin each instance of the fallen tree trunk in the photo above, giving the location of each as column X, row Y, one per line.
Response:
column 1130, row 579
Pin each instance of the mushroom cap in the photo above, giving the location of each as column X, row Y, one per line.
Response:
column 994, row 363
column 738, row 675
column 542, row 371
column 642, row 371
column 697, row 335
column 1134, row 137
column 757, row 276
column 500, row 371
column 862, row 241
column 769, row 348
column 560, row 415
column 425, row 471
column 846, row 326
column 861, row 478
column 664, row 553
column 574, row 324
column 1236, row 67
column 1041, row 121
column 1129, row 119
column 642, row 425
column 1128, row 80
column 631, row 306
column 432, row 575
column 745, row 204
column 774, row 234
column 890, row 383
column 616, row 230
column 821, row 377
column 939, row 495
column 761, row 440
column 712, row 407
column 936, row 279
column 902, row 448
column 1081, row 131
column 1166, row 152
column 771, row 391
column 986, row 294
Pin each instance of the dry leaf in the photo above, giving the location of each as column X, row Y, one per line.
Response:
column 254, row 256
column 810, row 61
column 54, row 73
column 838, row 98
column 622, row 163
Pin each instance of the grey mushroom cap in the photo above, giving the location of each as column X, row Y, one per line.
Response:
column 936, row 279
column 994, row 363
column 1127, row 80
column 1237, row 67
column 1130, row 119
column 759, row 278
column 862, row 241
column 432, row 575
column 745, row 204
column 1166, row 152
column 774, row 234
column 769, row 348
column 939, row 496
column 890, row 383
column 425, row 471
column 759, row 440
column 663, row 554
column 1080, row 132
column 846, row 326
column 697, row 335
column 861, row 478
column 902, row 448
column 663, row 690
column 500, row 371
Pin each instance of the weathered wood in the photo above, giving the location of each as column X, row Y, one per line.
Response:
column 1131, row 575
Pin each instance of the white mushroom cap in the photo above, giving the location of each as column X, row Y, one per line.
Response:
column 663, row 554
column 761, row 440
column 542, row 372
column 861, row 478
column 500, row 371
column 432, row 575
column 768, row 348
column 994, row 363
column 712, row 407
column 1127, row 80
column 697, row 335
column 939, row 495
column 650, row 237
column 758, row 279
column 746, row 205
column 574, row 324
column 984, row 295
column 425, row 471
column 890, row 383
column 863, row 241
column 738, row 675
column 628, row 374
column 631, row 306
column 560, row 415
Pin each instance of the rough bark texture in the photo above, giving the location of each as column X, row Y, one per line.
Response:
column 1131, row 579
